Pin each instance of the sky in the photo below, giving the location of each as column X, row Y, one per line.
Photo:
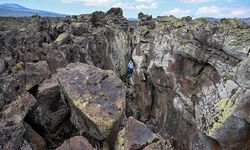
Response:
column 178, row 8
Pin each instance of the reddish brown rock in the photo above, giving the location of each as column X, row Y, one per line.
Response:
column 16, row 111
column 161, row 144
column 12, row 131
column 2, row 65
column 76, row 143
column 36, row 73
column 137, row 136
column 34, row 139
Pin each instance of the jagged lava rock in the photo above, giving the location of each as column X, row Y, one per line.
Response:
column 35, row 140
column 20, row 106
column 96, row 97
column 195, row 74
column 135, row 135
column 12, row 130
column 76, row 143
column 50, row 114
column 2, row 65
column 36, row 73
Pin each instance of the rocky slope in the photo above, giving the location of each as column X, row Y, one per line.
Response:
column 61, row 87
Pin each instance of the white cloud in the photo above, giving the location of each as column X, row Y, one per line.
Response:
column 91, row 2
column 240, row 12
column 178, row 12
column 144, row 1
column 197, row 1
column 210, row 11
column 139, row 5
column 221, row 12
column 136, row 7
column 124, row 6
column 147, row 6
column 70, row 1
column 98, row 2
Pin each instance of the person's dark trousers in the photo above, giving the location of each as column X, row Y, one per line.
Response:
column 130, row 71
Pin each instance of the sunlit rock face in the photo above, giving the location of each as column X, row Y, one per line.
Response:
column 191, row 80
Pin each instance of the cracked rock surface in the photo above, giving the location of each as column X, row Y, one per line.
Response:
column 195, row 75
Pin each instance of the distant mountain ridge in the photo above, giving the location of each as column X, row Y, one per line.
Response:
column 12, row 6
column 15, row 10
column 211, row 19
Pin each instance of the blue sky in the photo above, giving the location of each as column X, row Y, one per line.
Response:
column 179, row 8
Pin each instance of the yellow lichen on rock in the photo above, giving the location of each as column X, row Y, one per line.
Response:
column 101, row 93
column 160, row 26
column 83, row 101
column 104, row 125
column 20, row 66
column 28, row 86
column 120, row 142
column 120, row 104
column 61, row 37
column 222, row 111
column 80, row 104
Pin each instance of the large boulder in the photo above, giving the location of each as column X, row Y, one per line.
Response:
column 135, row 135
column 36, row 73
column 9, row 90
column 55, row 57
column 96, row 97
column 76, row 143
column 242, row 74
column 12, row 130
column 50, row 115
column 15, row 112
column 115, row 11
column 12, row 137
column 63, row 38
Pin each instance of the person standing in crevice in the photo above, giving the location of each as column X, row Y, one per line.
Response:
column 130, row 67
